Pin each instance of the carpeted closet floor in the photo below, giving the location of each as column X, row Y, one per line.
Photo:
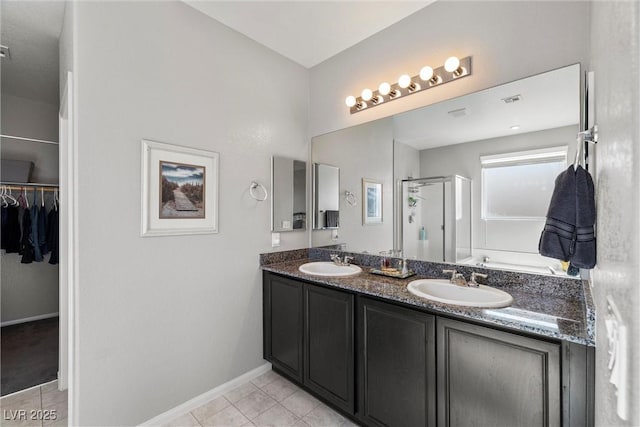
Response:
column 28, row 354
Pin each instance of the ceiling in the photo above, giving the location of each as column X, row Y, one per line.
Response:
column 31, row 30
column 548, row 100
column 308, row 32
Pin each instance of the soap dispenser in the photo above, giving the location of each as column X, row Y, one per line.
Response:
column 423, row 233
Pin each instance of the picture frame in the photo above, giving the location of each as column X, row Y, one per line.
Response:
column 179, row 190
column 371, row 201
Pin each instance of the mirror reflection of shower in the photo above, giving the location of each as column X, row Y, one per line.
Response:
column 436, row 218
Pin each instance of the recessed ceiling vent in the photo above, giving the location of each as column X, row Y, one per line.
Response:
column 4, row 52
column 458, row 113
column 512, row 99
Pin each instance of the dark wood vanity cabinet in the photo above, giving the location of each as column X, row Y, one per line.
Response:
column 397, row 367
column 490, row 377
column 283, row 324
column 309, row 336
column 329, row 345
column 419, row 369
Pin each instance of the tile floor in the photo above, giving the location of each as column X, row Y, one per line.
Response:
column 29, row 408
column 269, row 400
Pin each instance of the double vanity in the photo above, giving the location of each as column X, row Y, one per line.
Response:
column 411, row 352
column 463, row 184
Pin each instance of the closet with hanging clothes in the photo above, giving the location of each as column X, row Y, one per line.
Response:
column 29, row 197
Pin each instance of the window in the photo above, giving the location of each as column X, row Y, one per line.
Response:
column 518, row 186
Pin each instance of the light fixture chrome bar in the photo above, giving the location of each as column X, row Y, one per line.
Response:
column 440, row 76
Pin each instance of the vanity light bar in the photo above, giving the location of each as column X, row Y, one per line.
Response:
column 453, row 69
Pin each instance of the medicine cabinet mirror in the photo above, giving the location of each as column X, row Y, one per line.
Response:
column 289, row 188
column 499, row 150
column 326, row 197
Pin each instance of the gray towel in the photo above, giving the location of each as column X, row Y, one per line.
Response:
column 332, row 219
column 568, row 234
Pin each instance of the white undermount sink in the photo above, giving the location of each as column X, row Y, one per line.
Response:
column 326, row 268
column 442, row 290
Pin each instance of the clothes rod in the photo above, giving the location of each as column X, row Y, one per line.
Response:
column 22, row 185
column 20, row 138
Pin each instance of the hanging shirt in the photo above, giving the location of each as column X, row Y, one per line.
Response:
column 35, row 241
column 26, row 245
column 11, row 229
column 52, row 235
column 42, row 230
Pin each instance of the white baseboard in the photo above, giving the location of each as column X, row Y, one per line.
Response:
column 205, row 397
column 29, row 319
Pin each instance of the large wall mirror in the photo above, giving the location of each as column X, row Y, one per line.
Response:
column 469, row 179
column 289, row 188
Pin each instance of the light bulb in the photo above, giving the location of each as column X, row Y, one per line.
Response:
column 384, row 88
column 350, row 101
column 366, row 94
column 404, row 81
column 452, row 64
column 426, row 73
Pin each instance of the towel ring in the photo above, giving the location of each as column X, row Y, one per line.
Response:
column 350, row 198
column 252, row 190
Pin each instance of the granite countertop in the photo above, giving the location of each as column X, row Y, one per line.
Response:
column 549, row 314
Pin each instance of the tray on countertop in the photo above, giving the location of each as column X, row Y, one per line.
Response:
column 393, row 273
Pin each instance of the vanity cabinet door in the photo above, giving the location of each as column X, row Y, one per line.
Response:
column 396, row 380
column 283, row 324
column 329, row 346
column 489, row 377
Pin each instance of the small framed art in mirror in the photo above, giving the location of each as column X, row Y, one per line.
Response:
column 372, row 201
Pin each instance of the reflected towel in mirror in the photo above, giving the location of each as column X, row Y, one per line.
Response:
column 332, row 219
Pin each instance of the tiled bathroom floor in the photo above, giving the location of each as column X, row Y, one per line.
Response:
column 269, row 400
column 29, row 408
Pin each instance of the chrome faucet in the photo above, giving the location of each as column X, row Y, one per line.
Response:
column 343, row 262
column 472, row 280
column 456, row 278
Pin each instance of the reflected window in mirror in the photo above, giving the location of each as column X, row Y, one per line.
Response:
column 289, row 188
column 518, row 186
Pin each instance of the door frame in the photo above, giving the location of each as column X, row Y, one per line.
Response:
column 68, row 158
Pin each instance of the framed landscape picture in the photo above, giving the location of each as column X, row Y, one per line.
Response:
column 179, row 190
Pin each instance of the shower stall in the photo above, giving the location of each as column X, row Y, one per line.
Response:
column 436, row 218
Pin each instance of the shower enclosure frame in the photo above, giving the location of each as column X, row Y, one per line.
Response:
column 400, row 211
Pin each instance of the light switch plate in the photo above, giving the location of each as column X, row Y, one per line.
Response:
column 275, row 240
column 618, row 358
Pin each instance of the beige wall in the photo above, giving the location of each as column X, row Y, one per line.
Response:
column 164, row 319
column 615, row 59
